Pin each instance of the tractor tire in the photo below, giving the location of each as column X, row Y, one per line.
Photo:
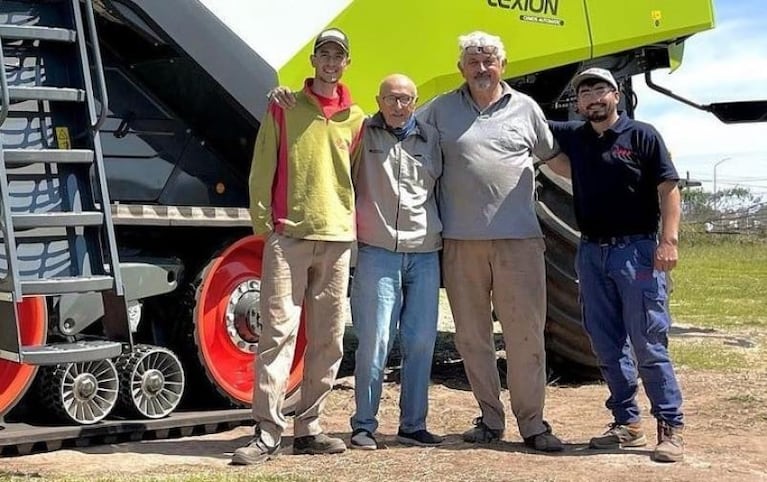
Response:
column 567, row 343
column 223, row 304
column 16, row 378
column 81, row 393
column 151, row 382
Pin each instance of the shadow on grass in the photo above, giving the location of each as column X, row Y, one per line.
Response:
column 222, row 449
column 455, row 442
column 694, row 332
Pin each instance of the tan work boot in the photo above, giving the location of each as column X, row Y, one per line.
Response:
column 670, row 443
column 620, row 436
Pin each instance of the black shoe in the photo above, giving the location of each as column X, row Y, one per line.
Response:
column 545, row 441
column 256, row 452
column 318, row 445
column 422, row 438
column 363, row 440
column 481, row 433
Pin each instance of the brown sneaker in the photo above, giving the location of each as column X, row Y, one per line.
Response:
column 670, row 443
column 620, row 436
column 317, row 445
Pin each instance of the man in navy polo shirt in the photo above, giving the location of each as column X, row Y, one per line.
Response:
column 624, row 184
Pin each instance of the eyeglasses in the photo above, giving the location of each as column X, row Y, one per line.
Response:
column 392, row 100
column 597, row 93
column 481, row 49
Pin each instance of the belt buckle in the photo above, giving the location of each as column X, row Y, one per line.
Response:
column 615, row 241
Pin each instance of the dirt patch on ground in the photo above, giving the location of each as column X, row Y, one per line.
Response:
column 725, row 414
column 726, row 418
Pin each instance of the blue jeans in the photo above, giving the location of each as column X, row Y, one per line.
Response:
column 624, row 302
column 394, row 292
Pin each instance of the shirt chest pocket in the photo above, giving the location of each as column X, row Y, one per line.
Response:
column 418, row 166
column 509, row 137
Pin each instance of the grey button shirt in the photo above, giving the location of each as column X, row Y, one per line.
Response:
column 395, row 188
column 487, row 187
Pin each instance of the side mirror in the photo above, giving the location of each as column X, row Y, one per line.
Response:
column 727, row 112
column 739, row 112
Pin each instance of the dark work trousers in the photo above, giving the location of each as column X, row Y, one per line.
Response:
column 625, row 310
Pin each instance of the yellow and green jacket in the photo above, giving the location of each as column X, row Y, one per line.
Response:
column 300, row 178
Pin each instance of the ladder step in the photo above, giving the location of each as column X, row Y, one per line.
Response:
column 70, row 352
column 26, row 32
column 60, row 156
column 54, row 286
column 53, row 94
column 57, row 219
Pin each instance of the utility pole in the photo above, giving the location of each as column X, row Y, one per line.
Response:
column 716, row 200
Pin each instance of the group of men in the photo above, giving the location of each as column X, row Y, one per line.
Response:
column 458, row 176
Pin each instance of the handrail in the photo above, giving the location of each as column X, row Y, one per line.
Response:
column 6, row 98
column 98, row 64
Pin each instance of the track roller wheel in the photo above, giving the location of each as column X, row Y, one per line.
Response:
column 151, row 381
column 82, row 393
column 227, row 323
column 15, row 378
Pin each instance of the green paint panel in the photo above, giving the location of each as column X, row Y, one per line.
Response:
column 420, row 39
column 623, row 25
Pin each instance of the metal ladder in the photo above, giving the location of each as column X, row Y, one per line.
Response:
column 56, row 223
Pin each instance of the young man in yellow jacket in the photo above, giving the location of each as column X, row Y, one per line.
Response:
column 302, row 200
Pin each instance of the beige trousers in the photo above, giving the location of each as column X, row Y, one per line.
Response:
column 510, row 273
column 314, row 274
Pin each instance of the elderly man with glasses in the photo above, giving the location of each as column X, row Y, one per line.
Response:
column 493, row 244
column 396, row 280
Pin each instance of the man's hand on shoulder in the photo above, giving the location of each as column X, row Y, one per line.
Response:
column 282, row 96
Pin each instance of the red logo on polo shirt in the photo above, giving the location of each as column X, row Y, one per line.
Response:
column 622, row 153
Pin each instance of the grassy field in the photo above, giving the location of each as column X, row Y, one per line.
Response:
column 720, row 301
column 721, row 283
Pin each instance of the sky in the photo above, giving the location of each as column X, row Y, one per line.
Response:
column 724, row 64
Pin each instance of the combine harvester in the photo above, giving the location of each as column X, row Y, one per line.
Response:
column 129, row 278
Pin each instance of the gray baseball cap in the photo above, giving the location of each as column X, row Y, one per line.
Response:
column 332, row 35
column 594, row 73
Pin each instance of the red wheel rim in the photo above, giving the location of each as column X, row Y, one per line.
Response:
column 229, row 367
column 15, row 378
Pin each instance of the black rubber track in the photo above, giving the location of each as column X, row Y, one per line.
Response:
column 25, row 439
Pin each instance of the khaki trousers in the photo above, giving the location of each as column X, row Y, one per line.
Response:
column 299, row 272
column 510, row 273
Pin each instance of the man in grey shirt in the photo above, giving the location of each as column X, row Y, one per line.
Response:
column 493, row 244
